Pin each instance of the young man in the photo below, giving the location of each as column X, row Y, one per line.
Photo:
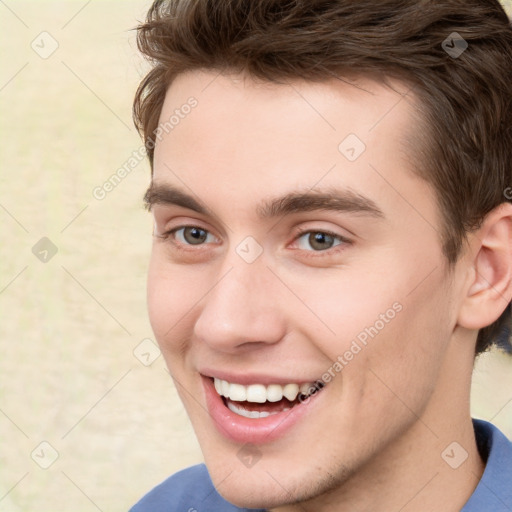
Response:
column 332, row 247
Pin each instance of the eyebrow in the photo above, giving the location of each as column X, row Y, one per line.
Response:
column 329, row 199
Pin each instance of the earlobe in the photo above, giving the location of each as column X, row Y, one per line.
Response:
column 489, row 286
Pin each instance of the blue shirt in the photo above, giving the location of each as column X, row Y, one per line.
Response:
column 192, row 490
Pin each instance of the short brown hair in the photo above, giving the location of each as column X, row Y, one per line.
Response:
column 465, row 95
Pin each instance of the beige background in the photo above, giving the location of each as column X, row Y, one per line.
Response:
column 69, row 326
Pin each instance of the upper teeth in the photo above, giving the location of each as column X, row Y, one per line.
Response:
column 261, row 393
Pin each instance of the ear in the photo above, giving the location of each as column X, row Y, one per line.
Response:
column 489, row 283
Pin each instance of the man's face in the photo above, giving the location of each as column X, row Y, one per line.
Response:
column 260, row 292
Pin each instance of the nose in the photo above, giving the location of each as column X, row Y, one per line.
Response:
column 243, row 309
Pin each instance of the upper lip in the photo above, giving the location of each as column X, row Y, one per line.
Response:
column 247, row 378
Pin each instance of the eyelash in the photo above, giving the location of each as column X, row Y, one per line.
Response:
column 300, row 232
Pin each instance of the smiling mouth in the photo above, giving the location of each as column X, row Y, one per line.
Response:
column 259, row 401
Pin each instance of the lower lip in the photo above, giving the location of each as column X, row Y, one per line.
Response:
column 253, row 430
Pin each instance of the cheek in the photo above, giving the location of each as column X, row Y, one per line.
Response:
column 403, row 361
column 171, row 294
column 380, row 326
column 346, row 310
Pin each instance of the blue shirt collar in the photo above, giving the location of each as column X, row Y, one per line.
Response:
column 494, row 491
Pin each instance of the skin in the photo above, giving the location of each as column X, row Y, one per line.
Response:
column 375, row 443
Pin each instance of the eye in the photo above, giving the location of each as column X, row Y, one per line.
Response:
column 320, row 241
column 189, row 235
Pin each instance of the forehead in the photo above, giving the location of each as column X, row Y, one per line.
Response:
column 236, row 115
column 239, row 105
column 245, row 141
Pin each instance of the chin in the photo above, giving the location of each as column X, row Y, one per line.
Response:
column 257, row 490
column 271, row 483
